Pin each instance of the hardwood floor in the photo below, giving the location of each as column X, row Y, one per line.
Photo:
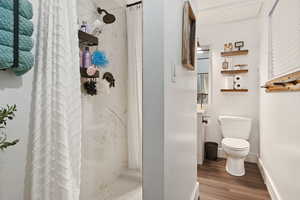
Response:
column 217, row 184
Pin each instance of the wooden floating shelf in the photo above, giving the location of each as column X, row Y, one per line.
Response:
column 235, row 53
column 286, row 83
column 234, row 90
column 239, row 71
column 241, row 65
column 87, row 39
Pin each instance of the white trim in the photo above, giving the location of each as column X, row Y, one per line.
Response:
column 268, row 181
column 195, row 194
column 252, row 157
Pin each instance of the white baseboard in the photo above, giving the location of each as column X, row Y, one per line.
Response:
column 268, row 181
column 252, row 157
column 195, row 195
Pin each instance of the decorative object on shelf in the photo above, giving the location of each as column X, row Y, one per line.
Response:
column 286, row 83
column 226, row 49
column 239, row 45
column 109, row 78
column 189, row 37
column 16, row 29
column 99, row 59
column 7, row 113
column 225, row 65
column 230, row 46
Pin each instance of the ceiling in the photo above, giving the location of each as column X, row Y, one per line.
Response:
column 224, row 11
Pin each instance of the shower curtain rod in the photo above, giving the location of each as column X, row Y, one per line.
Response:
column 133, row 4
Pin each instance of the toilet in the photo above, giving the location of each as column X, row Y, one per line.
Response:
column 236, row 132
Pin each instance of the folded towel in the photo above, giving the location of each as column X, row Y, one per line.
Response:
column 26, row 60
column 7, row 22
column 25, row 8
column 7, row 39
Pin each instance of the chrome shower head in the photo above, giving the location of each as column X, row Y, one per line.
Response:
column 107, row 18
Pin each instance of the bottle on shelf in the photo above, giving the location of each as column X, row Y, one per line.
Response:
column 86, row 58
column 84, row 26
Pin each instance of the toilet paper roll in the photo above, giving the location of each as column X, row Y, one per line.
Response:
column 238, row 86
column 238, row 79
column 228, row 82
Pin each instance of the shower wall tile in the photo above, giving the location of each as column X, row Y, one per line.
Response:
column 104, row 154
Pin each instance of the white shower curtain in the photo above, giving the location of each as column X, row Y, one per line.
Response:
column 135, row 63
column 56, row 125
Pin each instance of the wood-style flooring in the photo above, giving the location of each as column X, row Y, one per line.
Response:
column 217, row 184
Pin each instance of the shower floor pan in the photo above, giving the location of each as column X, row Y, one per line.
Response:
column 127, row 187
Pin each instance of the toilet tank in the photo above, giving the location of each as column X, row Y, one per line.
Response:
column 235, row 127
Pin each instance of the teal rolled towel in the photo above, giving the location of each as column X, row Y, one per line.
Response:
column 7, row 39
column 25, row 9
column 7, row 23
column 26, row 60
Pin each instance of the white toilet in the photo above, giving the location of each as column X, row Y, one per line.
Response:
column 236, row 132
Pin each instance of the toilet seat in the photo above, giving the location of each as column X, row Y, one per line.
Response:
column 235, row 144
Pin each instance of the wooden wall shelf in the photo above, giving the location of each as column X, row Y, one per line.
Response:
column 286, row 83
column 235, row 53
column 241, row 65
column 239, row 71
column 87, row 39
column 234, row 90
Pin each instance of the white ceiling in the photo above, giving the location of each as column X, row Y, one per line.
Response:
column 224, row 11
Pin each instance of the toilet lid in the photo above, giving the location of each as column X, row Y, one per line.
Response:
column 235, row 143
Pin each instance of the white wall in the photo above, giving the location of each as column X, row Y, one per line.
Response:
column 180, row 111
column 279, row 130
column 16, row 90
column 169, row 108
column 239, row 104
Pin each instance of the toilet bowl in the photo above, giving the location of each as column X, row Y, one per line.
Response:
column 236, row 151
column 236, row 132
